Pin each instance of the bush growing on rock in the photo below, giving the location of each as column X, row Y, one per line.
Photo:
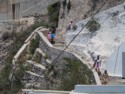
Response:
column 38, row 58
column 115, row 13
column 5, row 36
column 64, row 3
column 93, row 26
column 34, row 44
column 5, row 84
column 74, row 27
column 53, row 13
column 74, row 72
column 66, row 73
column 52, row 25
column 46, row 56
column 69, row 6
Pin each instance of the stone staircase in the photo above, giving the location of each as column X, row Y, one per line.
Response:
column 37, row 71
column 34, row 74
column 4, row 49
column 37, row 65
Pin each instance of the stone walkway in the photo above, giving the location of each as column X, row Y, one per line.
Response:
column 34, row 74
column 59, row 38
column 37, row 65
column 116, row 81
column 60, row 44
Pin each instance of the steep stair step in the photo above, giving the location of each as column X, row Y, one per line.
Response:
column 48, row 61
column 34, row 74
column 40, row 51
column 30, row 85
column 37, row 65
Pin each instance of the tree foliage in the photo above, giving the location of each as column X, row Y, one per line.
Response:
column 73, row 73
column 93, row 26
column 5, row 36
column 34, row 44
column 8, row 86
column 53, row 13
column 64, row 3
column 69, row 6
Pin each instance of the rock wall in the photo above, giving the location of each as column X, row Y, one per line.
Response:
column 16, row 9
column 53, row 52
column 81, row 9
column 30, row 7
column 49, row 53
column 5, row 10
column 106, row 39
column 20, row 8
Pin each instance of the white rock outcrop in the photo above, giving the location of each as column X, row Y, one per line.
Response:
column 104, row 41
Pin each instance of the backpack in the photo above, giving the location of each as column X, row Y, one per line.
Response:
column 53, row 35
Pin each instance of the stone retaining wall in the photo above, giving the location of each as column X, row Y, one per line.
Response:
column 53, row 52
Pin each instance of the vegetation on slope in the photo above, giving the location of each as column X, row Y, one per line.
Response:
column 53, row 13
column 69, row 6
column 66, row 73
column 64, row 3
column 34, row 44
column 93, row 26
column 73, row 73
column 10, row 78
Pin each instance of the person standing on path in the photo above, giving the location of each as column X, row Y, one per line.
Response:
column 105, row 77
column 53, row 36
column 49, row 36
column 97, row 63
column 54, row 30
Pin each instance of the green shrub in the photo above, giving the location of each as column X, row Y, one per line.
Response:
column 5, row 83
column 64, row 3
column 46, row 56
column 93, row 26
column 38, row 58
column 17, row 80
column 50, row 10
column 95, row 2
column 52, row 25
column 45, row 24
column 34, row 44
column 5, row 36
column 53, row 13
column 74, row 27
column 73, row 73
column 69, row 6
column 41, row 23
column 29, row 56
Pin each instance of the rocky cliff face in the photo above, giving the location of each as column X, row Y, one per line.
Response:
column 104, row 41
column 81, row 9
column 35, row 6
column 10, row 9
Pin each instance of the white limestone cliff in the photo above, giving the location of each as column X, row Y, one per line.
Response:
column 104, row 41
